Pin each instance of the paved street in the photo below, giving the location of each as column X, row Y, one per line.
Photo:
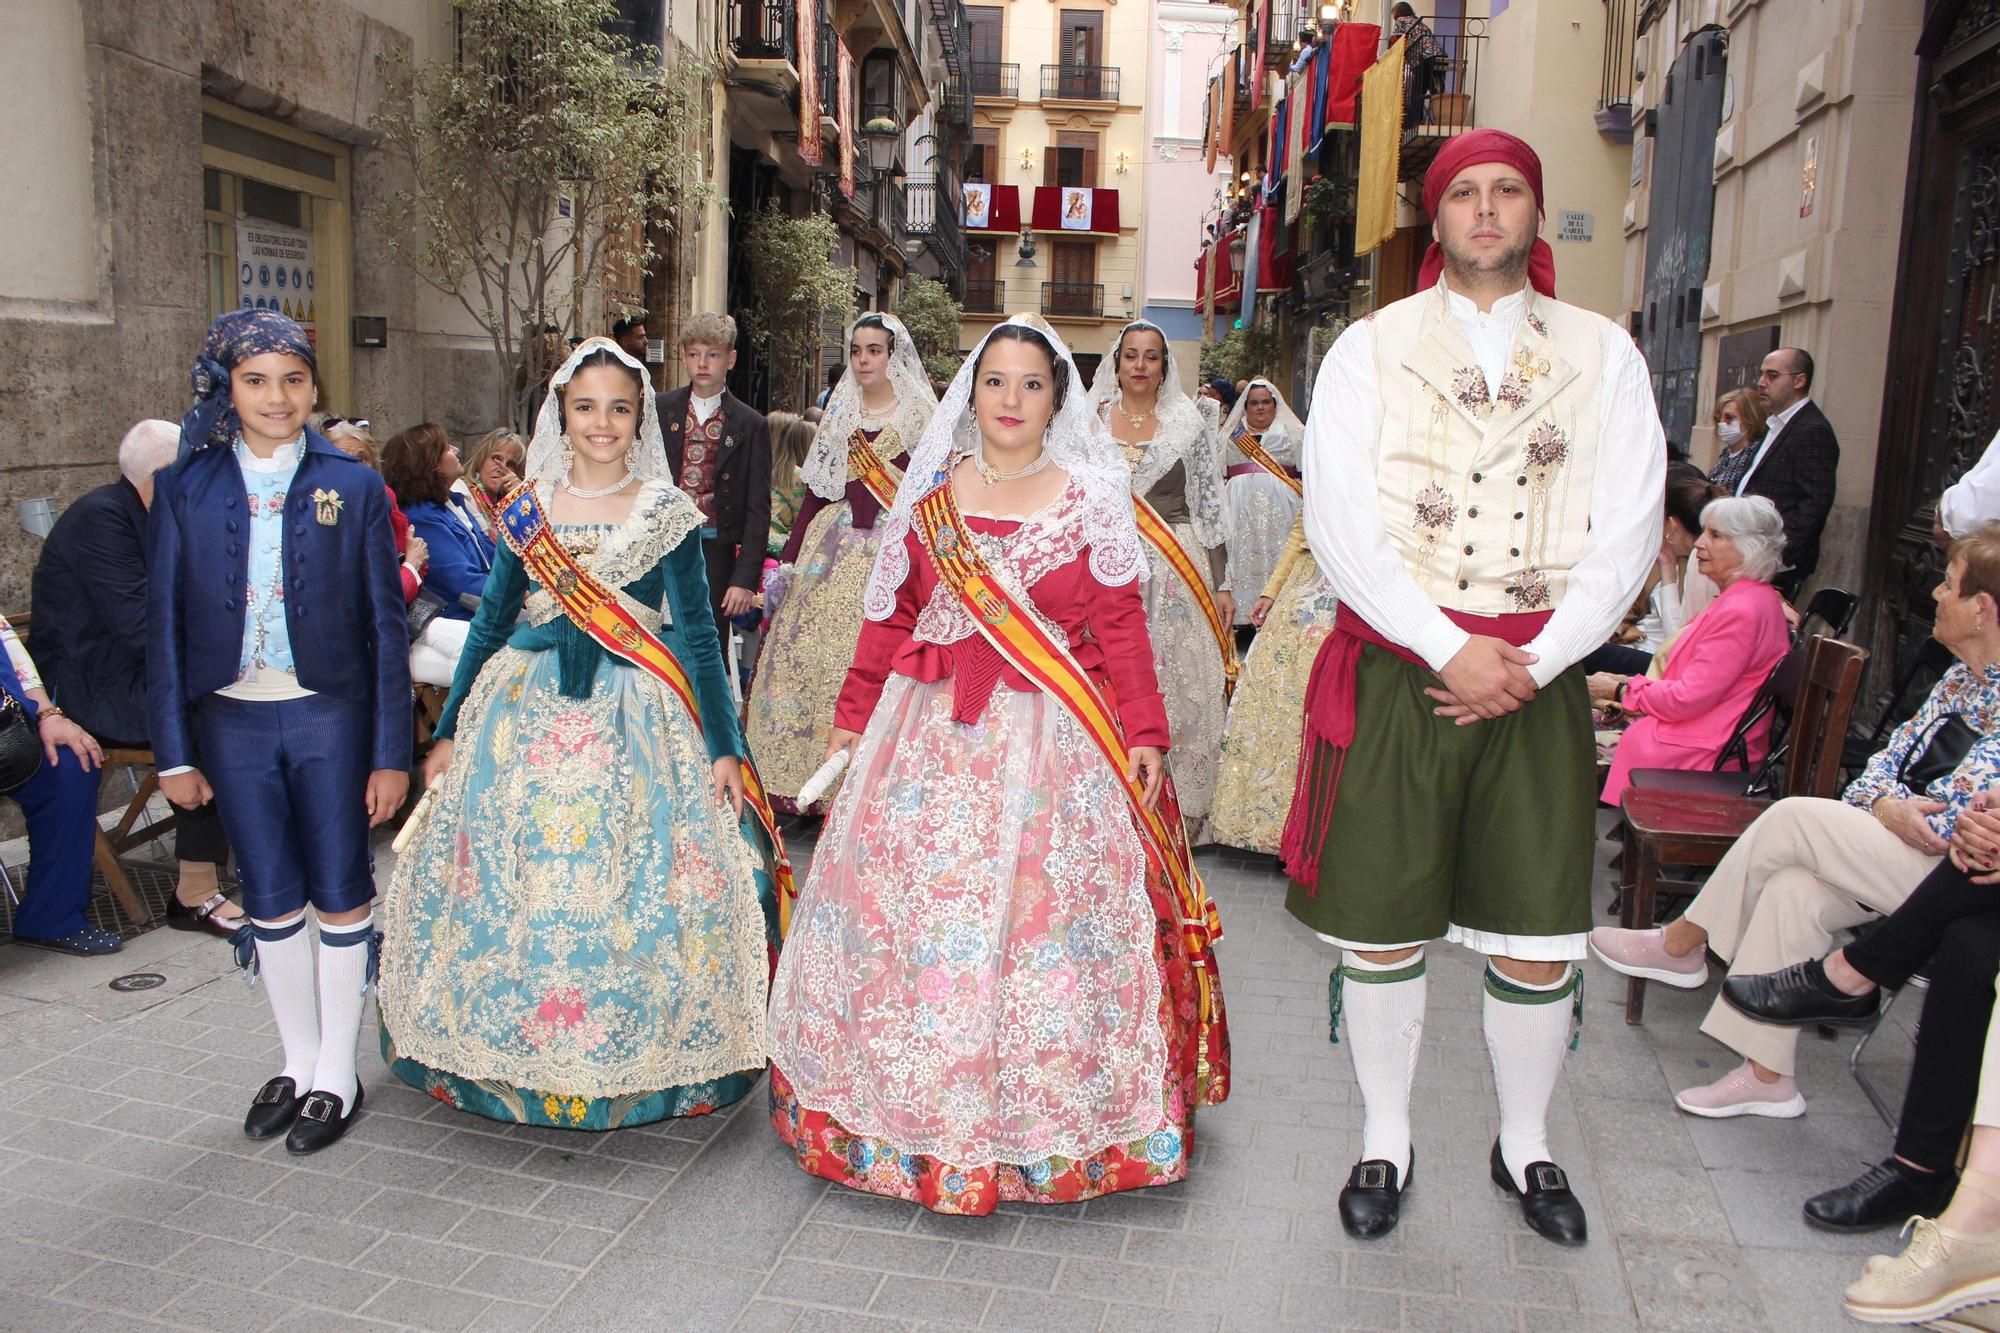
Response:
column 132, row 1199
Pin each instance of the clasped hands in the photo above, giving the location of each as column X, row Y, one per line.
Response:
column 1487, row 678
column 1975, row 839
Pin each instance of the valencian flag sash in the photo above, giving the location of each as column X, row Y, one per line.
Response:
column 1247, row 443
column 1155, row 530
column 595, row 610
column 866, row 464
column 1023, row 644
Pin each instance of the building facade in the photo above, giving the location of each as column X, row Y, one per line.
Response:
column 1189, row 41
column 1056, row 176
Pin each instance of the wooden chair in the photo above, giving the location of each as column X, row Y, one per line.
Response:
column 1674, row 828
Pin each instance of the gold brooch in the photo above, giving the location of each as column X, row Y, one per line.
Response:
column 1529, row 370
column 326, row 507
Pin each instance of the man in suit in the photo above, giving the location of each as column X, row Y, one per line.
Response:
column 90, row 643
column 1796, row 464
column 720, row 451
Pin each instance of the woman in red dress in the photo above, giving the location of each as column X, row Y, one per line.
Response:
column 987, row 992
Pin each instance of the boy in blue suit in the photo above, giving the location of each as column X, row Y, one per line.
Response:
column 277, row 651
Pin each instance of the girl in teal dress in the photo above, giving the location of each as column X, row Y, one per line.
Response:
column 580, row 933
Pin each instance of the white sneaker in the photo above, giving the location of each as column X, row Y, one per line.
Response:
column 1741, row 1092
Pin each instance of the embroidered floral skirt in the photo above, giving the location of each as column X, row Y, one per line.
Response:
column 985, row 994
column 578, row 935
column 1262, row 510
column 1189, row 664
column 807, row 649
column 1260, row 748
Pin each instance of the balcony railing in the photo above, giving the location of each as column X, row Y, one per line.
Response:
column 933, row 216
column 829, row 70
column 1288, row 19
column 1439, row 92
column 1085, row 300
column 764, row 30
column 983, row 296
column 1080, row 83
column 993, row 78
column 1616, row 83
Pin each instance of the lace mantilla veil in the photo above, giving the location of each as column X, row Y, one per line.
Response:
column 649, row 450
column 825, row 468
column 1287, row 421
column 1182, row 433
column 1075, row 440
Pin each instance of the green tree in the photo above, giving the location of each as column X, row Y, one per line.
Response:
column 932, row 317
column 1242, row 354
column 795, row 287
column 532, row 164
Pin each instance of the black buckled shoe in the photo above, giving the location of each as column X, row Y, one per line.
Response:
column 1885, row 1195
column 322, row 1120
column 273, row 1109
column 1547, row 1203
column 1800, row 996
column 1371, row 1203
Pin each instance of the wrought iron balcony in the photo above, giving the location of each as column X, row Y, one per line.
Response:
column 1616, row 84
column 1080, row 83
column 983, row 296
column 1288, row 19
column 993, row 78
column 1081, row 300
column 933, row 216
column 1439, row 92
column 764, row 30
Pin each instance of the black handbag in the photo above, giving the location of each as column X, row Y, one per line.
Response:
column 20, row 746
column 1943, row 750
column 420, row 613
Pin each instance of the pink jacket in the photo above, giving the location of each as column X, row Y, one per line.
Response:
column 1713, row 671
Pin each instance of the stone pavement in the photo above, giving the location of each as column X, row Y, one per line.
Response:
column 132, row 1200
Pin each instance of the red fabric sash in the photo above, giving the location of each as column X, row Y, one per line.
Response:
column 1257, row 469
column 1330, row 715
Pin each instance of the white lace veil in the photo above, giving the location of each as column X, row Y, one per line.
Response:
column 1077, row 443
column 1182, row 433
column 1287, row 421
column 825, row 468
column 649, row 450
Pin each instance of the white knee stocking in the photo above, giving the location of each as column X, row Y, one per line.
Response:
column 1527, row 1030
column 344, row 953
column 1384, row 1005
column 285, row 964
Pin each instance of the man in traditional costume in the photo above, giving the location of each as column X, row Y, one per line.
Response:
column 1482, row 466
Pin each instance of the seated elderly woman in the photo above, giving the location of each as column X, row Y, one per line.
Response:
column 60, row 805
column 1809, row 867
column 1716, row 666
column 420, row 465
column 1678, row 590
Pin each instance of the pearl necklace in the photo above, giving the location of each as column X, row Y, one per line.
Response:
column 601, row 491
column 993, row 476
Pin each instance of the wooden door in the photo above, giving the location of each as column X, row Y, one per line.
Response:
column 1081, row 53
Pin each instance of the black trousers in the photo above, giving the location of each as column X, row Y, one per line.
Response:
column 198, row 834
column 1953, row 925
column 1619, row 659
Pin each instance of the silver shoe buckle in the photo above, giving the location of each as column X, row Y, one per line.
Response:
column 317, row 1109
column 1371, row 1176
column 1547, row 1176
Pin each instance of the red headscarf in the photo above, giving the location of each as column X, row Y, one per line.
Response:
column 1471, row 149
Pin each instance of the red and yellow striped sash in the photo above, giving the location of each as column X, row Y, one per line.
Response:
column 866, row 463
column 1021, row 641
column 1251, row 449
column 595, row 610
column 1155, row 530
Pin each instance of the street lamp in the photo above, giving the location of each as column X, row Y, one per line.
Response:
column 884, row 138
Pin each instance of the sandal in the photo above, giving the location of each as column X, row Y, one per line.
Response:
column 90, row 942
column 182, row 917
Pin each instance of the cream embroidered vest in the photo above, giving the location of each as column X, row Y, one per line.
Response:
column 1487, row 497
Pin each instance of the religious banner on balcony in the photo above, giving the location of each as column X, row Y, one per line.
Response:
column 1381, row 151
column 846, row 89
column 1228, row 136
column 811, row 152
column 1076, row 210
column 1216, row 274
column 1262, row 39
column 1212, row 122
column 992, row 208
column 1298, row 101
column 1317, row 70
column 1275, row 260
column 1353, row 53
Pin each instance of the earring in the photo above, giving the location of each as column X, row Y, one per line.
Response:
column 568, row 451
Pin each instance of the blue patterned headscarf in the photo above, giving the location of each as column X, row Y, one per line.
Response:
column 233, row 339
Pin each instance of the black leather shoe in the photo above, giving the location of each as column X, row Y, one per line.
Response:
column 273, row 1109
column 1799, row 996
column 322, row 1120
column 1550, row 1208
column 1885, row 1195
column 1371, row 1203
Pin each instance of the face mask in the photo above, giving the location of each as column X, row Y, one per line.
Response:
column 1730, row 433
